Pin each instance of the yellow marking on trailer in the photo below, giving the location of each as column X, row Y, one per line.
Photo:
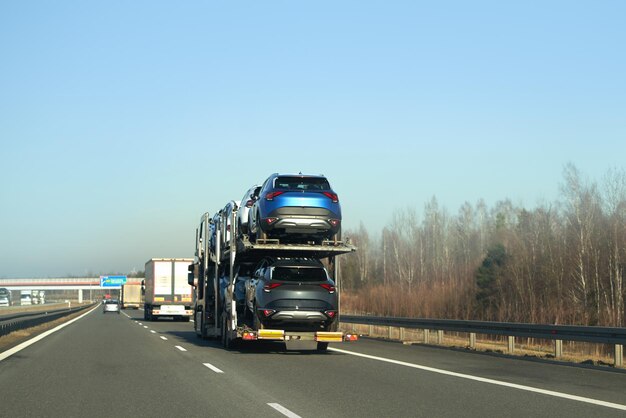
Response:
column 329, row 336
column 271, row 334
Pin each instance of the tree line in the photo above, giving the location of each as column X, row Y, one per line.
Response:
column 560, row 263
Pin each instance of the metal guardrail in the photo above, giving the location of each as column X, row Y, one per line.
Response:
column 557, row 333
column 18, row 311
column 32, row 319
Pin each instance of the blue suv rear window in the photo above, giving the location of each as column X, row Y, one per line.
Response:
column 300, row 183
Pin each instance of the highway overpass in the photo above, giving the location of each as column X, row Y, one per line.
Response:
column 77, row 288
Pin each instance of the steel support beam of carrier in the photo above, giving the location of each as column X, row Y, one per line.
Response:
column 247, row 251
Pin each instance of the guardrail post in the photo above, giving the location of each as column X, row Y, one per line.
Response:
column 426, row 336
column 401, row 333
column 389, row 332
column 511, row 344
column 619, row 355
column 371, row 330
column 440, row 336
column 558, row 348
column 472, row 340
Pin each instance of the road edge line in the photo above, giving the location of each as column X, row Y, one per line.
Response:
column 487, row 380
column 6, row 354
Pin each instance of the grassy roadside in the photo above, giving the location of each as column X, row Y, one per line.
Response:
column 17, row 337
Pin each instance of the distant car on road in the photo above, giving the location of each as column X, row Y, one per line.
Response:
column 111, row 305
column 26, row 300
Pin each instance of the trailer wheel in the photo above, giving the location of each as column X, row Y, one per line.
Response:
column 228, row 342
column 323, row 347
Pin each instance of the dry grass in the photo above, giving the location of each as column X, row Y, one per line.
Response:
column 17, row 337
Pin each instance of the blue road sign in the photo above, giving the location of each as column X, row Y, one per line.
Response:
column 112, row 281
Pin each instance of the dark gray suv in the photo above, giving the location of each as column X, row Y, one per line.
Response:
column 292, row 294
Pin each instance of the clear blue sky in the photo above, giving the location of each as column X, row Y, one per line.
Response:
column 121, row 122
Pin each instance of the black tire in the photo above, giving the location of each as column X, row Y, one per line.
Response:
column 223, row 331
column 322, row 346
column 256, row 322
column 227, row 342
column 196, row 324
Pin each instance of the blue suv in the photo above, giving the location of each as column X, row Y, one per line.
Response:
column 295, row 208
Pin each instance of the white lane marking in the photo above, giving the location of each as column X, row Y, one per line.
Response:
column 40, row 337
column 490, row 381
column 180, row 348
column 283, row 410
column 212, row 367
column 145, row 326
column 139, row 323
column 127, row 316
column 163, row 338
column 153, row 331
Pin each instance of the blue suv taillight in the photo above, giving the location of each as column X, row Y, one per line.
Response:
column 272, row 195
column 332, row 196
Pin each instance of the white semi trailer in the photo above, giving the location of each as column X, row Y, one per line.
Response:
column 166, row 290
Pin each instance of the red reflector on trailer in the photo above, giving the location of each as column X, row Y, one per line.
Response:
column 351, row 337
column 249, row 336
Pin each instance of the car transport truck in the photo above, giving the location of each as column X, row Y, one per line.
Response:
column 130, row 295
column 166, row 290
column 221, row 277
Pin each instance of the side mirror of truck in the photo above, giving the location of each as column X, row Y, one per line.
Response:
column 192, row 276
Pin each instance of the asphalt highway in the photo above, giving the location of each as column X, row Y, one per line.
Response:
column 105, row 365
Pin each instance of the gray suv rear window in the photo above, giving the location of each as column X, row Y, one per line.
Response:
column 299, row 274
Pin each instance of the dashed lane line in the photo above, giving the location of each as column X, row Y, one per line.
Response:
column 180, row 348
column 283, row 410
column 212, row 367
